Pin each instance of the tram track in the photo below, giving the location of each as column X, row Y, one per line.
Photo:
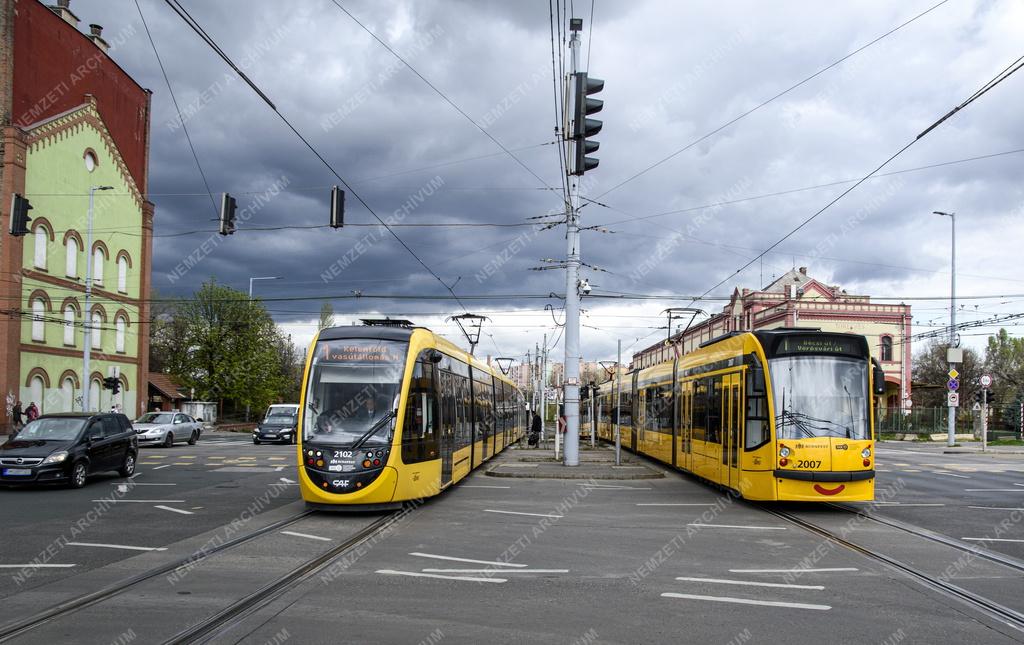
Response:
column 211, row 628
column 72, row 605
column 986, row 606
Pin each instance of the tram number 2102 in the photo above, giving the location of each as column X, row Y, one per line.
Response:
column 343, row 454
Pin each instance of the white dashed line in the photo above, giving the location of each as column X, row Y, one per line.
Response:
column 454, row 559
column 997, row 508
column 734, row 526
column 141, row 501
column 33, row 565
column 502, row 571
column 118, row 546
column 994, row 490
column 551, row 515
column 159, row 467
column 826, row 570
column 174, row 510
column 391, row 572
column 749, row 583
column 672, row 504
column 991, row 539
column 307, row 536
column 747, row 601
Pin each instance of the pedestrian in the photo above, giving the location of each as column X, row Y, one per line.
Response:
column 534, row 437
column 31, row 412
column 16, row 421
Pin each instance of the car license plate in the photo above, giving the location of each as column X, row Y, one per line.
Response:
column 17, row 471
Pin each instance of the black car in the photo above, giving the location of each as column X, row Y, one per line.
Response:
column 67, row 448
column 277, row 427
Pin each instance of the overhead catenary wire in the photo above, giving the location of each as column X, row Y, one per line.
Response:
column 195, row 26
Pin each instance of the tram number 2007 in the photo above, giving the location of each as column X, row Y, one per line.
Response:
column 808, row 463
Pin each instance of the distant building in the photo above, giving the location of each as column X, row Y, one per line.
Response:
column 798, row 300
column 71, row 119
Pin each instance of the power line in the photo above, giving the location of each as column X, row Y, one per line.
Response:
column 770, row 100
column 191, row 22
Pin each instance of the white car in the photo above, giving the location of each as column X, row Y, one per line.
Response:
column 167, row 428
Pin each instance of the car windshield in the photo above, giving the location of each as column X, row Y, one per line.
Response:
column 156, row 417
column 820, row 396
column 281, row 416
column 353, row 392
column 51, row 430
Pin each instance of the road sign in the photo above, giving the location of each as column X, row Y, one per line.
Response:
column 976, row 407
column 986, row 380
column 953, row 399
column 953, row 384
column 953, row 373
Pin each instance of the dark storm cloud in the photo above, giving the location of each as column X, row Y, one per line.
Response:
column 673, row 72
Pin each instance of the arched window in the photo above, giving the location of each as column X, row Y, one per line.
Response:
column 67, row 394
column 119, row 327
column 97, row 265
column 42, row 239
column 97, row 330
column 38, row 320
column 122, row 274
column 886, row 348
column 71, row 263
column 69, row 325
column 35, row 392
column 94, row 395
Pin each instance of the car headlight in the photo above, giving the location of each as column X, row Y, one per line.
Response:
column 56, row 458
column 784, row 451
column 865, row 453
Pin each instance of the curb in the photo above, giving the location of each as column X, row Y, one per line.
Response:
column 649, row 474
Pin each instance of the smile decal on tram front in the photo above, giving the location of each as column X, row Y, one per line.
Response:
column 830, row 491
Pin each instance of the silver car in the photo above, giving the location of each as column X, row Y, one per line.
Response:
column 167, row 428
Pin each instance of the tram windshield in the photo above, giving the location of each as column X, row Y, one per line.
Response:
column 820, row 396
column 353, row 392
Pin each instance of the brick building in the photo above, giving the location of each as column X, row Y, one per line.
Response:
column 798, row 300
column 71, row 119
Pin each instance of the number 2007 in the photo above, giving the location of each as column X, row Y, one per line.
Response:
column 808, row 463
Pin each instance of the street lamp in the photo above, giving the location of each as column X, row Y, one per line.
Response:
column 951, row 427
column 269, row 277
column 86, row 315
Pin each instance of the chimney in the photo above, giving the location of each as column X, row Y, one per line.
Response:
column 63, row 9
column 803, row 270
column 95, row 35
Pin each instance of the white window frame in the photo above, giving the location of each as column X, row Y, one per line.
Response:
column 69, row 325
column 122, row 274
column 97, row 265
column 119, row 332
column 97, row 330
column 39, row 320
column 71, row 258
column 42, row 240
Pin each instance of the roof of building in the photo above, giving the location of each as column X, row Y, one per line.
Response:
column 166, row 385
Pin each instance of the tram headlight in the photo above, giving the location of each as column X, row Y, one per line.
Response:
column 865, row 453
column 784, row 452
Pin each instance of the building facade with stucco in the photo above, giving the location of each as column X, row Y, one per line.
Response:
column 72, row 119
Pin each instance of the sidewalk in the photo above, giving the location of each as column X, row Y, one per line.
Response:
column 966, row 447
column 595, row 463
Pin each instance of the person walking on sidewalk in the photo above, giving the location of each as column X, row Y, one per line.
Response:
column 16, row 421
column 534, row 437
column 31, row 412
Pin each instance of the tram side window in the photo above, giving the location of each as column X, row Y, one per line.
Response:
column 665, row 409
column 419, row 432
column 757, row 432
column 715, row 411
column 448, row 416
column 626, row 407
column 464, row 430
column 700, row 409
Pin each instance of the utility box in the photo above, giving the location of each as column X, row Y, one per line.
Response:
column 955, row 355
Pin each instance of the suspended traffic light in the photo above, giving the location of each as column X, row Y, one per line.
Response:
column 19, row 215
column 337, row 207
column 582, row 127
column 227, row 214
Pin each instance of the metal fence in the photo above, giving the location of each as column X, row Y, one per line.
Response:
column 927, row 421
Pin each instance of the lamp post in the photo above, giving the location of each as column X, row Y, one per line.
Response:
column 951, row 424
column 86, row 315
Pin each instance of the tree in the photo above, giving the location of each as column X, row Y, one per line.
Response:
column 1004, row 360
column 931, row 373
column 326, row 316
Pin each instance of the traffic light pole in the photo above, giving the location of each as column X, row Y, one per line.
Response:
column 86, row 314
column 984, row 420
column 571, row 454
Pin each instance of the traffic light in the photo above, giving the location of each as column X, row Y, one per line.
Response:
column 19, row 215
column 337, row 207
column 990, row 396
column 582, row 127
column 227, row 214
column 112, row 383
column 978, row 394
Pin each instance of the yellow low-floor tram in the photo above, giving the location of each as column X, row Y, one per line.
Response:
column 774, row 415
column 391, row 413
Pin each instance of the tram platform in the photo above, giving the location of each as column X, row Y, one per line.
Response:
column 595, row 463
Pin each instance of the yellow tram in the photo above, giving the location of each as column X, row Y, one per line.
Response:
column 775, row 415
column 395, row 413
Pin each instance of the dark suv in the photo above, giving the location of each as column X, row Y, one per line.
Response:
column 67, row 448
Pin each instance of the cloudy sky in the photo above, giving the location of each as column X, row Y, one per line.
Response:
column 674, row 72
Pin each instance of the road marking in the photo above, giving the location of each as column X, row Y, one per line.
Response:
column 307, row 535
column 592, row 487
column 174, row 510
column 991, row 539
column 826, row 570
column 906, row 503
column 118, row 546
column 749, row 583
column 159, row 467
column 953, row 475
column 156, row 456
column 994, row 490
column 33, row 565
column 997, row 508
column 275, row 458
column 503, row 571
column 551, row 515
column 910, row 470
column 669, row 504
column 734, row 526
column 285, row 480
column 448, row 557
column 183, row 463
column 141, row 501
column 391, row 572
column 482, row 486
column 1016, row 484
column 746, row 601
column 141, row 484
column 186, row 456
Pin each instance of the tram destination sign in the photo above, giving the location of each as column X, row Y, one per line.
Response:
column 348, row 351
column 814, row 344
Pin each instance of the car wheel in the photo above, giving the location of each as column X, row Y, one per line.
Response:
column 193, row 439
column 256, row 442
column 128, row 467
column 169, row 440
column 78, row 475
